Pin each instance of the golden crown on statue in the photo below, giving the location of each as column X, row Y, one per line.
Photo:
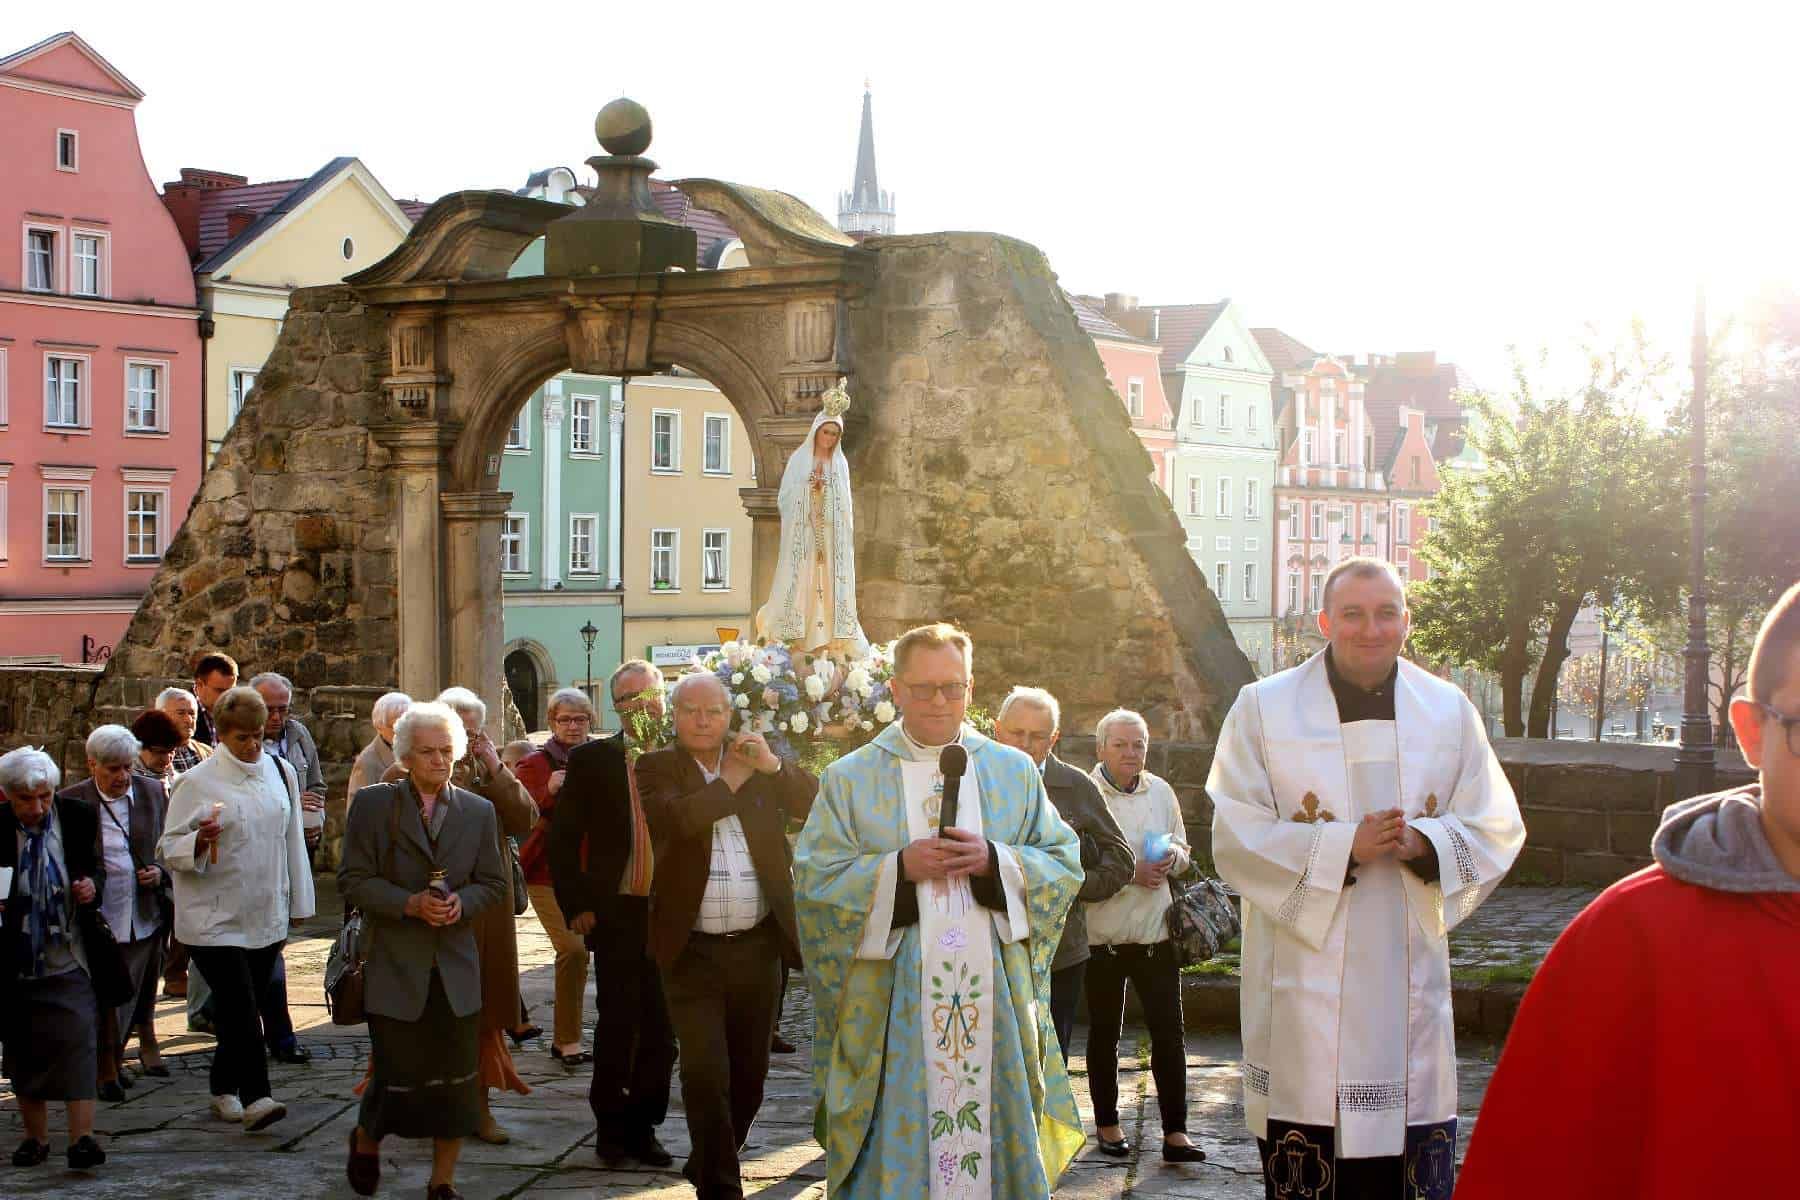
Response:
column 836, row 401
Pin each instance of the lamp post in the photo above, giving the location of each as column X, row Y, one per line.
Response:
column 1694, row 757
column 588, row 633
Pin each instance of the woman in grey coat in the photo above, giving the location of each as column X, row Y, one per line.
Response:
column 421, row 861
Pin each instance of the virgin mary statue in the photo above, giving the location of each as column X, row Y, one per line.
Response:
column 812, row 606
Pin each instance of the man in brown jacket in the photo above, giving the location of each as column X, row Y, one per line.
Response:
column 723, row 918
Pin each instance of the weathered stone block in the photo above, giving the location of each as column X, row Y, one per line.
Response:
column 1630, row 832
column 1600, row 869
column 315, row 532
column 1561, row 829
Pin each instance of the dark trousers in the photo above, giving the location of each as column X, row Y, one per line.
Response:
column 277, row 1024
column 239, row 978
column 1352, row 1178
column 175, row 960
column 1153, row 975
column 634, row 1048
column 1065, row 998
column 722, row 993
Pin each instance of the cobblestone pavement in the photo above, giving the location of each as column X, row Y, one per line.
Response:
column 1515, row 927
column 163, row 1142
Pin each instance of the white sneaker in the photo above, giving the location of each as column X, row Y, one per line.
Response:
column 227, row 1108
column 263, row 1113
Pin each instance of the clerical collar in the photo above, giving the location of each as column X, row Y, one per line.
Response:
column 920, row 751
column 1361, row 704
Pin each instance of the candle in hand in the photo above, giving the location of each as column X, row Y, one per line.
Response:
column 212, row 851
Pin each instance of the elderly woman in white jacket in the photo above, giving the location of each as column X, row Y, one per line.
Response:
column 234, row 842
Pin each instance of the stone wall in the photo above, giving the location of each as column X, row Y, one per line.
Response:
column 999, row 485
column 1589, row 809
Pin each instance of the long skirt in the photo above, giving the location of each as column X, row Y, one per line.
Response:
column 50, row 1038
column 144, row 959
column 425, row 1076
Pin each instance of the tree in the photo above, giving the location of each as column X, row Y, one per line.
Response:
column 1579, row 503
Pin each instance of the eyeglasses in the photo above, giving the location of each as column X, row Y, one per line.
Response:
column 279, row 708
column 577, row 719
column 923, row 692
column 1789, row 725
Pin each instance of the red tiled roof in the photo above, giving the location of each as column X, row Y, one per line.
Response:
column 414, row 209
column 1095, row 323
column 1284, row 351
column 1179, row 328
column 709, row 228
column 1415, row 381
column 215, row 204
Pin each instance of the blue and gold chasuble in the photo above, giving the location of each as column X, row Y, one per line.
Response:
column 935, row 1064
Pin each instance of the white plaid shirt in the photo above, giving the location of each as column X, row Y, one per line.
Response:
column 733, row 901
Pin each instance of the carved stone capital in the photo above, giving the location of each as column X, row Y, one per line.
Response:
column 474, row 506
column 605, row 340
column 418, row 445
column 761, row 503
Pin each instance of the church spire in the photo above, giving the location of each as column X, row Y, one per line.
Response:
column 865, row 208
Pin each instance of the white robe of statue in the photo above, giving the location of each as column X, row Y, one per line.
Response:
column 1347, row 1022
column 812, row 604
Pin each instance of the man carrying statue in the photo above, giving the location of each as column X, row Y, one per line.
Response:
column 928, row 946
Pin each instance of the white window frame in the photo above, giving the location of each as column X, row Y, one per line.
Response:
column 707, row 422
column 521, row 426
column 58, row 269
column 1308, row 446
column 584, row 411
column 1250, row 419
column 4, row 374
column 1197, row 413
column 673, row 466
column 1293, row 520
column 160, row 426
column 593, row 540
column 1249, row 581
column 1293, row 596
column 1251, row 543
column 161, row 492
column 102, row 264
column 5, row 470
column 706, row 537
column 1316, row 600
column 84, row 520
column 521, row 548
column 673, row 550
column 239, row 383
column 1222, row 544
column 1402, row 525
column 1224, row 411
column 1196, row 495
column 1134, row 397
column 74, row 163
column 1222, row 497
column 1340, row 448
column 1368, row 521
column 1252, row 497
column 1221, row 581
column 84, row 392
column 1317, row 530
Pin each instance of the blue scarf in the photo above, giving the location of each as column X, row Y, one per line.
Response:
column 45, row 921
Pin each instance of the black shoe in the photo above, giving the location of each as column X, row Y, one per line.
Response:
column 111, row 1092
column 295, row 1055
column 30, row 1153
column 85, row 1155
column 647, row 1150
column 1118, row 1149
column 1181, row 1154
column 127, row 1079
column 159, row 1071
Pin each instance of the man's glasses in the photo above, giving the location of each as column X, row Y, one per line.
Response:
column 923, row 692
column 1789, row 725
column 277, row 709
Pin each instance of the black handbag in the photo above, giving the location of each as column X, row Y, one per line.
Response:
column 345, row 981
column 107, row 968
column 521, row 899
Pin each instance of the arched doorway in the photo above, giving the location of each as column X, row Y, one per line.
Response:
column 522, row 681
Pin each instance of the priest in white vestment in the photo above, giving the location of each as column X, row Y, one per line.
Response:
column 1360, row 814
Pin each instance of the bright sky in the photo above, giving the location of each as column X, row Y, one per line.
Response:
column 1367, row 177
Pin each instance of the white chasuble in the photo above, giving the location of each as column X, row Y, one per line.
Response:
column 1345, row 996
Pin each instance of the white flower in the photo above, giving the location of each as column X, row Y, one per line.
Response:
column 884, row 712
column 741, row 701
column 815, row 687
column 799, row 723
column 858, row 681
column 761, row 673
column 729, row 649
column 868, row 724
column 737, row 677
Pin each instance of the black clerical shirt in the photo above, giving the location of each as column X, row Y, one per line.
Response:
column 1356, row 703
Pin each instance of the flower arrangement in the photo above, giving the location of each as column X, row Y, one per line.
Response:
column 807, row 707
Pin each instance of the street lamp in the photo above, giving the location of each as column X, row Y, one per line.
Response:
column 1694, row 757
column 588, row 634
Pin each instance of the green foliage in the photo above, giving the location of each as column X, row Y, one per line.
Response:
column 1580, row 501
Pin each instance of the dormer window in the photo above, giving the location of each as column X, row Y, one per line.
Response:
column 1228, row 354
column 66, row 150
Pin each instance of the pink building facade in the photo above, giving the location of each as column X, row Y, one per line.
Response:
column 1132, row 367
column 100, row 358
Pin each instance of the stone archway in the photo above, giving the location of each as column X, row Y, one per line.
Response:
column 348, row 531
column 530, row 675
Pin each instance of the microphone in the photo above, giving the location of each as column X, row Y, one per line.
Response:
column 953, row 760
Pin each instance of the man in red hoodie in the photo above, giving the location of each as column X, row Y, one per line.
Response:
column 1657, row 1054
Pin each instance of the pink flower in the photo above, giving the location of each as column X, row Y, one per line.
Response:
column 953, row 938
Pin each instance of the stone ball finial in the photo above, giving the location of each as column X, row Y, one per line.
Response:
column 623, row 127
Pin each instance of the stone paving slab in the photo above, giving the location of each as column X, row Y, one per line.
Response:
column 162, row 1141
